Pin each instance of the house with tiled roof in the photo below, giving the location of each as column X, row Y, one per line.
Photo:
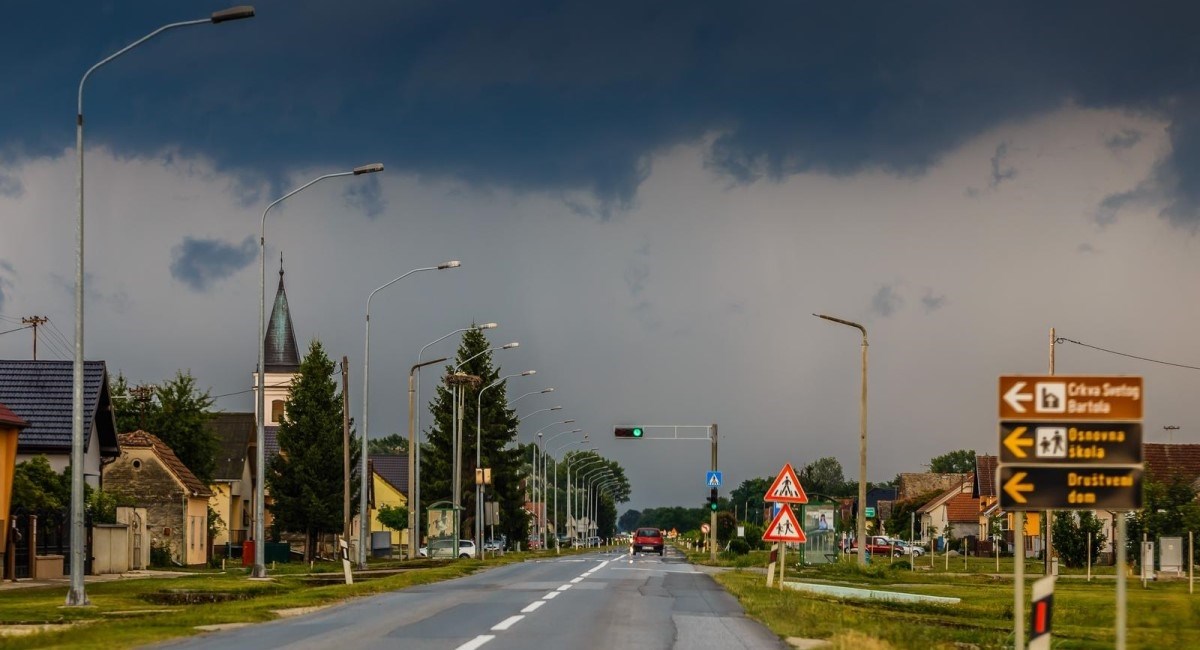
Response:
column 955, row 511
column 232, row 476
column 984, row 488
column 1165, row 462
column 40, row 393
column 150, row 475
column 389, row 487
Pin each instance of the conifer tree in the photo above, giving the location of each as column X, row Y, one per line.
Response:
column 498, row 451
column 305, row 478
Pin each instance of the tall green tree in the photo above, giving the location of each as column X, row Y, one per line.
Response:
column 305, row 478
column 395, row 444
column 629, row 520
column 1169, row 509
column 1071, row 531
column 179, row 420
column 134, row 407
column 961, row 461
column 498, row 453
column 825, row 476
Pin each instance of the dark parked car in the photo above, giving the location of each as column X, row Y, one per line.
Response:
column 647, row 540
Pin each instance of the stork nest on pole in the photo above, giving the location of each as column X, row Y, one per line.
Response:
column 463, row 379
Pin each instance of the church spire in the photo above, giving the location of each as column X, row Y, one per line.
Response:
column 282, row 355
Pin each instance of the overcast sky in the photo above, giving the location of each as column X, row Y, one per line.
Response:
column 651, row 198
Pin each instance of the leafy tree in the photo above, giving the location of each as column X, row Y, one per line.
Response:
column 179, row 421
column 1169, row 509
column 305, row 478
column 825, row 476
column 508, row 467
column 955, row 462
column 38, row 487
column 394, row 517
column 748, row 497
column 1071, row 537
column 629, row 520
column 395, row 444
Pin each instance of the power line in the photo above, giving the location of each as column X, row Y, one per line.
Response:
column 16, row 330
column 1122, row 354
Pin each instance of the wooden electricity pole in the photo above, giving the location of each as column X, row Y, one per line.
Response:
column 346, row 450
column 35, row 321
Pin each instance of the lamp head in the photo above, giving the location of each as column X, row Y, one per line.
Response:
column 233, row 13
column 510, row 346
column 452, row 264
column 555, row 408
column 548, row 390
column 368, row 169
column 567, row 422
column 528, row 372
column 487, row 326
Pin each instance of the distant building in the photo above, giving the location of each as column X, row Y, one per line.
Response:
column 233, row 476
column 389, row 487
column 149, row 474
column 954, row 511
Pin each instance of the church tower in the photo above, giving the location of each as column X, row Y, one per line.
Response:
column 282, row 357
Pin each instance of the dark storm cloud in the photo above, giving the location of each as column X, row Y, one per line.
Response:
column 1126, row 139
column 6, row 273
column 931, row 301
column 199, row 263
column 578, row 96
column 886, row 301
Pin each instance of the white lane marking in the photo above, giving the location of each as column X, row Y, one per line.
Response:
column 507, row 623
column 622, row 568
column 532, row 607
column 550, row 596
column 564, row 587
column 576, row 581
column 476, row 642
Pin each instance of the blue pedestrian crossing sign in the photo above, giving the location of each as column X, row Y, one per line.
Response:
column 713, row 480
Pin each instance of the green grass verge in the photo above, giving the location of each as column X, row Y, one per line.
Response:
column 124, row 613
column 1161, row 616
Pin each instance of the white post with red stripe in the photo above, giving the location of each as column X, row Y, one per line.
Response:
column 1041, row 614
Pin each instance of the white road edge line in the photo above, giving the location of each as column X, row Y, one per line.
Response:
column 507, row 623
column 476, row 642
column 532, row 607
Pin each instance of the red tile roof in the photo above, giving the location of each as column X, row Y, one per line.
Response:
column 1164, row 461
column 963, row 507
column 8, row 418
column 143, row 440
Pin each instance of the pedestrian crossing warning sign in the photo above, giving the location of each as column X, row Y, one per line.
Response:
column 786, row 488
column 784, row 528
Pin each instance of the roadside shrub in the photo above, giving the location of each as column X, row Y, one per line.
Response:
column 160, row 554
column 739, row 546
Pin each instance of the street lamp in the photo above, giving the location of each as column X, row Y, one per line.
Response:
column 540, row 474
column 589, row 459
column 554, row 519
column 532, row 392
column 479, row 453
column 552, row 408
column 76, row 594
column 593, row 493
column 414, row 446
column 861, row 533
column 362, row 501
column 589, row 479
column 260, row 569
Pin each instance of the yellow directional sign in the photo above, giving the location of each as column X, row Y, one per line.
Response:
column 1070, row 443
column 1070, row 487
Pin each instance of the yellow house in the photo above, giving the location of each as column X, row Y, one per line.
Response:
column 10, row 426
column 389, row 487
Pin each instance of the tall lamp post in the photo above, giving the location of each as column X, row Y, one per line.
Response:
column 538, row 471
column 363, row 527
column 588, row 461
column 554, row 518
column 861, row 533
column 479, row 453
column 260, row 569
column 76, row 594
column 414, row 445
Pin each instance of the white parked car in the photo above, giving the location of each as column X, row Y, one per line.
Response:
column 445, row 548
column 909, row 548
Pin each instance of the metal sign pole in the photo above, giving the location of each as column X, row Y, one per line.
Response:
column 712, row 516
column 1120, row 543
column 1019, row 582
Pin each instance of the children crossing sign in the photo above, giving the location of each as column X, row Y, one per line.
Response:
column 786, row 488
column 784, row 528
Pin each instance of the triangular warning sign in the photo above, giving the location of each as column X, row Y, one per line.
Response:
column 784, row 528
column 786, row 488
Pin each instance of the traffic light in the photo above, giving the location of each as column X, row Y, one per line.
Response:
column 627, row 432
column 712, row 500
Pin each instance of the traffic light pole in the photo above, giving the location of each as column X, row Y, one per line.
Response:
column 712, row 514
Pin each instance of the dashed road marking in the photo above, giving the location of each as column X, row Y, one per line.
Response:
column 532, row 607
column 550, row 596
column 564, row 587
column 507, row 623
column 476, row 642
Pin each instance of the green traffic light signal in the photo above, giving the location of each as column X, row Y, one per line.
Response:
column 628, row 432
column 637, row 432
column 712, row 506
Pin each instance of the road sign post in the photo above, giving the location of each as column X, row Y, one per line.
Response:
column 1068, row 443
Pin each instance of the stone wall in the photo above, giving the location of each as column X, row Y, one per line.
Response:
column 139, row 477
column 915, row 484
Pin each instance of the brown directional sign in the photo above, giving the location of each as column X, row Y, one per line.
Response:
column 1070, row 443
column 1078, row 487
column 1070, row 398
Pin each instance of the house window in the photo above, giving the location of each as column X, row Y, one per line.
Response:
column 277, row 410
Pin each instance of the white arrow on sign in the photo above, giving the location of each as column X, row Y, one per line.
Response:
column 1014, row 397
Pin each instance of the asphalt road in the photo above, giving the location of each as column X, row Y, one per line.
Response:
column 597, row 600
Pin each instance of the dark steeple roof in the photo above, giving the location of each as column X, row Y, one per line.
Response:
column 282, row 355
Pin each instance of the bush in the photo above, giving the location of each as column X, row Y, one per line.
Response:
column 160, row 554
column 739, row 546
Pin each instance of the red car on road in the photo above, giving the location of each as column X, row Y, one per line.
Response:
column 647, row 540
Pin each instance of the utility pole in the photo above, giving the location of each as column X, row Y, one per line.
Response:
column 1170, row 429
column 35, row 321
column 1050, row 513
column 346, row 450
column 141, row 393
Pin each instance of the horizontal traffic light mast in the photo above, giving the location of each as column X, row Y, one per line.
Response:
column 663, row 432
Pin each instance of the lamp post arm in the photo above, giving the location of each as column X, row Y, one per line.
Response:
column 125, row 49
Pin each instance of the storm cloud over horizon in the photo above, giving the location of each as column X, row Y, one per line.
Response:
column 578, row 96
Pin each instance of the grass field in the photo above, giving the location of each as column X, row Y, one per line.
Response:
column 128, row 613
column 1163, row 615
